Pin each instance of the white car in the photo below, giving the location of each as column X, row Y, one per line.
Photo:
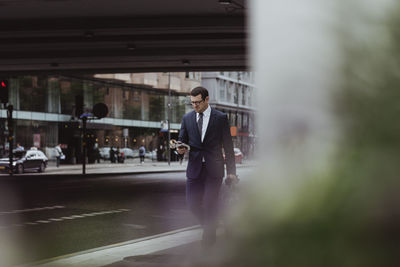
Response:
column 29, row 160
column 129, row 153
column 104, row 152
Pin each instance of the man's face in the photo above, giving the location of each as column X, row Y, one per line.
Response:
column 198, row 103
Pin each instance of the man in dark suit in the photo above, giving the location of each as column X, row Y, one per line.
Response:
column 206, row 131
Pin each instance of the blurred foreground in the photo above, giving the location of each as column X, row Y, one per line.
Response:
column 326, row 190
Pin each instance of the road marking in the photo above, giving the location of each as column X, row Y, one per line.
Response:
column 55, row 219
column 43, row 221
column 72, row 217
column 33, row 209
column 136, row 226
column 77, row 216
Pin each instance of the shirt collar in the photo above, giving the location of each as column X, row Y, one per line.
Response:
column 206, row 113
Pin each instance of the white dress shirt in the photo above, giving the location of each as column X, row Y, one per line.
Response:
column 206, row 119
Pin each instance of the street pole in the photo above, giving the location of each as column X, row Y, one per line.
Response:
column 169, row 118
column 84, row 119
column 10, row 137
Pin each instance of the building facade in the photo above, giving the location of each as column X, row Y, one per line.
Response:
column 138, row 111
column 44, row 111
column 233, row 93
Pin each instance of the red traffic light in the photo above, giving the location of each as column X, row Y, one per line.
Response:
column 3, row 91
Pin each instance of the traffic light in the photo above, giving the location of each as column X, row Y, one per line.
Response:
column 3, row 91
column 78, row 105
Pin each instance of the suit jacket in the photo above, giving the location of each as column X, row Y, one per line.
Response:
column 217, row 136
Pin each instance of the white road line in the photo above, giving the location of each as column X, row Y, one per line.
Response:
column 123, row 209
column 29, row 210
column 136, row 226
column 72, row 217
column 77, row 216
column 43, row 221
column 56, row 219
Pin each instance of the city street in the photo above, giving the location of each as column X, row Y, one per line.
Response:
column 44, row 218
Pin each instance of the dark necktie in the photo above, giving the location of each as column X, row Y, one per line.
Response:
column 200, row 123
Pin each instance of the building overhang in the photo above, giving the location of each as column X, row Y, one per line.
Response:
column 100, row 36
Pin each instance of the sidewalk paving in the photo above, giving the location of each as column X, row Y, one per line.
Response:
column 131, row 166
column 107, row 168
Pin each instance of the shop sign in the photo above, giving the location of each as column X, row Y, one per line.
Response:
column 233, row 130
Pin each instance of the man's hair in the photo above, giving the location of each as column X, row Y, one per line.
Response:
column 199, row 90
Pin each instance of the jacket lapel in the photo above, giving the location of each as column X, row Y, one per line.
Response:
column 194, row 120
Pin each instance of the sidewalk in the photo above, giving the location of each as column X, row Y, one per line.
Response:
column 131, row 166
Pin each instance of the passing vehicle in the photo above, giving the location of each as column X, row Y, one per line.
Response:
column 26, row 160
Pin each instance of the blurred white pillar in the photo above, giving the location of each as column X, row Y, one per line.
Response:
column 294, row 56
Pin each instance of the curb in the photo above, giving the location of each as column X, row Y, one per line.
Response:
column 91, row 175
column 104, row 248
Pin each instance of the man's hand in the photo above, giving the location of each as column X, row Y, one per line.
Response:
column 181, row 150
column 231, row 179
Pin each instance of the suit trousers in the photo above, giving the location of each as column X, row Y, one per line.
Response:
column 202, row 197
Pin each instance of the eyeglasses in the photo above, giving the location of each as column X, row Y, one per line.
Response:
column 195, row 103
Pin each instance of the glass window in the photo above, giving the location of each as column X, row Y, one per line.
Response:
column 228, row 91
column 236, row 94
column 243, row 95
column 68, row 90
column 33, row 93
column 132, row 104
column 156, row 107
column 222, row 90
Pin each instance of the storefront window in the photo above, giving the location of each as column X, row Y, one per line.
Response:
column 32, row 93
column 157, row 107
column 68, row 90
column 132, row 104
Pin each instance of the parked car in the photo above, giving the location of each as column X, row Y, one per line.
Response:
column 151, row 155
column 129, row 153
column 238, row 155
column 28, row 160
column 104, row 152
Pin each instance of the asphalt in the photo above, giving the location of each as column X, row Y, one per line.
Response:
column 181, row 247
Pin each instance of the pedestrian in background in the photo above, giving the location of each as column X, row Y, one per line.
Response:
column 142, row 153
column 112, row 155
column 58, row 154
column 206, row 130
column 96, row 152
column 19, row 147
